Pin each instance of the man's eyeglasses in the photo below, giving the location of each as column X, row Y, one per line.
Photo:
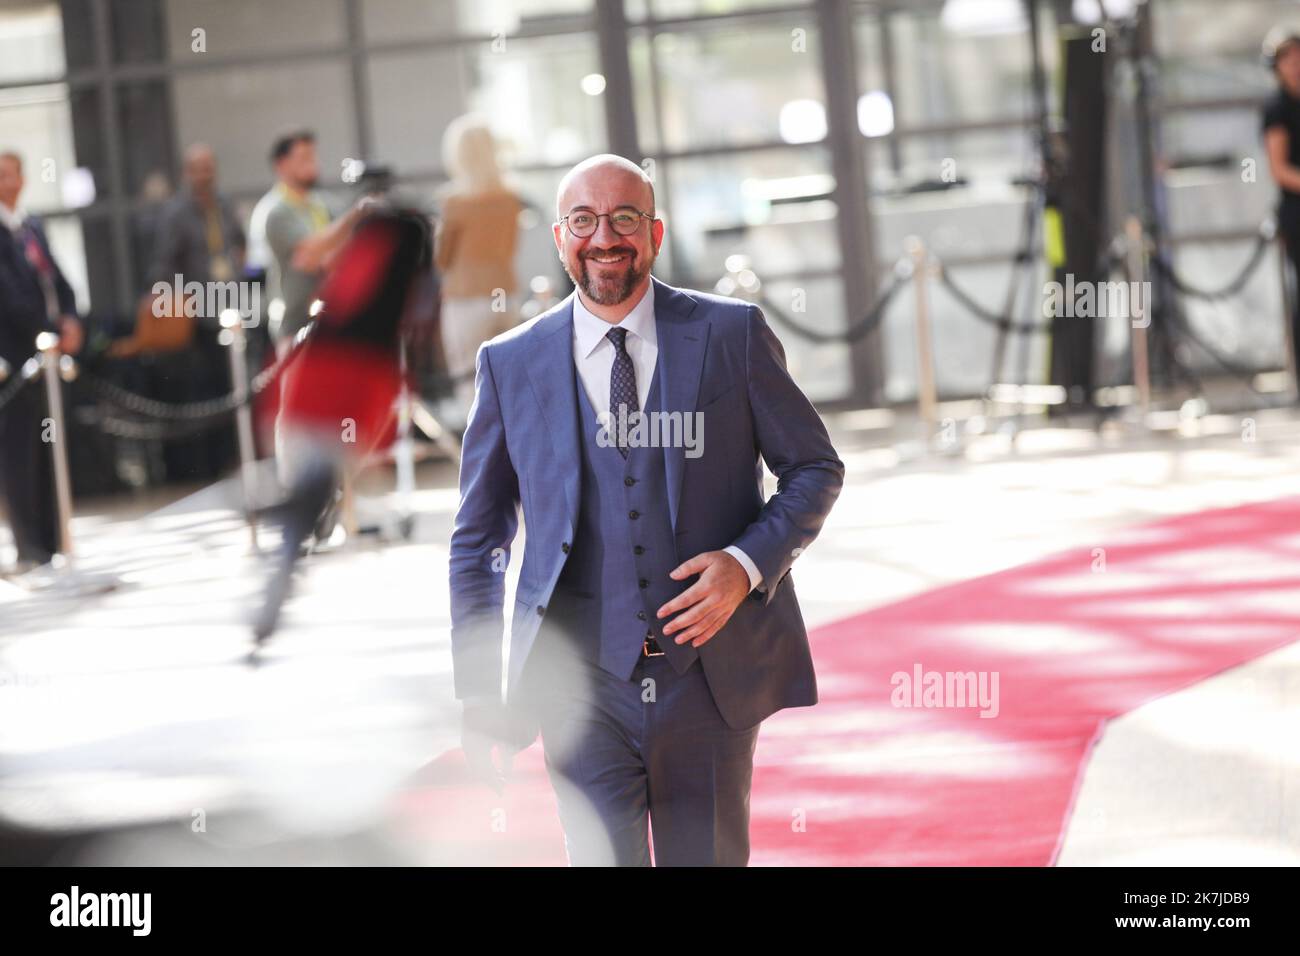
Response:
column 624, row 221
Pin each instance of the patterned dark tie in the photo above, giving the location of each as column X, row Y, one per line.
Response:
column 622, row 386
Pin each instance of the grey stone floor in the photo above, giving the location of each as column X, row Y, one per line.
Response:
column 138, row 706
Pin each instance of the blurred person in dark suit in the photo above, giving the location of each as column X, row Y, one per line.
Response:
column 200, row 237
column 1281, row 126
column 200, row 240
column 478, row 232
column 34, row 298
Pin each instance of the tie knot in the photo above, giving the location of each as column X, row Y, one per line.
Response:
column 618, row 337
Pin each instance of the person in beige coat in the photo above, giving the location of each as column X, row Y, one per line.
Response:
column 478, row 232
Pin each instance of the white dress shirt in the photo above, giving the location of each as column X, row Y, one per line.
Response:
column 593, row 357
column 12, row 219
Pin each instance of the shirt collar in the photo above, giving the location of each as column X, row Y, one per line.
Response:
column 590, row 330
column 12, row 218
column 302, row 200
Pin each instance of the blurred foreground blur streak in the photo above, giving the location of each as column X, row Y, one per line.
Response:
column 339, row 392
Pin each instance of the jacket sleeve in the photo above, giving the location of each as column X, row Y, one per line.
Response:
column 67, row 298
column 794, row 444
column 484, row 530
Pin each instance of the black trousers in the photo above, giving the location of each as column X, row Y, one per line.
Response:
column 27, row 476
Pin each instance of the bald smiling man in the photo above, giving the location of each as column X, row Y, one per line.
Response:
column 655, row 623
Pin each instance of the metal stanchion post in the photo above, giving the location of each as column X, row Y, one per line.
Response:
column 926, row 394
column 1141, row 363
column 234, row 337
column 48, row 345
column 54, row 367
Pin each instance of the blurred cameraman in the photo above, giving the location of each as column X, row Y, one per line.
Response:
column 1282, row 139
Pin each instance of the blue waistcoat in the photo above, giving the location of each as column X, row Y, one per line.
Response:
column 616, row 574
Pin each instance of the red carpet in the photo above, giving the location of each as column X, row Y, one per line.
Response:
column 859, row 781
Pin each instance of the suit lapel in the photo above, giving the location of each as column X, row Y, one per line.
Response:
column 681, row 361
column 552, row 375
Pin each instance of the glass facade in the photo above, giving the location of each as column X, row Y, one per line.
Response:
column 728, row 102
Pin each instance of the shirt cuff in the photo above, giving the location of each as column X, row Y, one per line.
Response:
column 750, row 568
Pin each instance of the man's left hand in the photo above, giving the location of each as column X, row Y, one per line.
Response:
column 708, row 603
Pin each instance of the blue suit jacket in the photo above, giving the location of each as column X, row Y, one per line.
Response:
column 717, row 356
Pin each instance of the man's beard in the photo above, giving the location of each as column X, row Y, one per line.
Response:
column 610, row 292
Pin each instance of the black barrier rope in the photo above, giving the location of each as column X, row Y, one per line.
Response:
column 865, row 326
column 902, row 272
column 145, row 430
column 1183, row 327
column 264, row 378
column 207, row 409
column 193, row 417
column 153, row 408
column 203, row 409
column 1247, row 375
column 1166, row 268
column 1002, row 322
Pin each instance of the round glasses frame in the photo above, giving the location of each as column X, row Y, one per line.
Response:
column 627, row 229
